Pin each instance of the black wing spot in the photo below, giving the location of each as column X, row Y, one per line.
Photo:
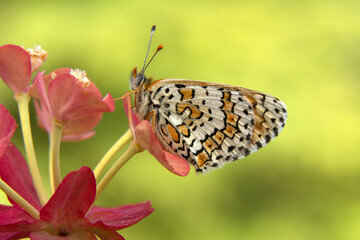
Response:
column 231, row 148
column 276, row 131
column 258, row 144
column 218, row 157
column 161, row 99
column 282, row 119
column 180, row 85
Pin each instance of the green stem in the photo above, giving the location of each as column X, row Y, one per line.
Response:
column 123, row 140
column 129, row 153
column 23, row 106
column 19, row 199
column 54, row 157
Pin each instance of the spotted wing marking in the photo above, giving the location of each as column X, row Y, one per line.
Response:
column 210, row 125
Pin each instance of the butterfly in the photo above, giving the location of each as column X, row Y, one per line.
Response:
column 207, row 124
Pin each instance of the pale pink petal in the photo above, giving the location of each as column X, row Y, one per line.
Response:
column 146, row 138
column 15, row 172
column 82, row 125
column 51, row 76
column 119, row 217
column 7, row 128
column 70, row 99
column 179, row 165
column 71, row 200
column 78, row 137
column 42, row 91
column 15, row 67
column 44, row 119
column 109, row 101
column 74, row 130
column 47, row 79
column 132, row 118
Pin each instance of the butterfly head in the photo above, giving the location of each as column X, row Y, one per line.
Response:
column 136, row 79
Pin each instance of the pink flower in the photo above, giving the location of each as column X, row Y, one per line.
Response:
column 70, row 98
column 146, row 139
column 68, row 212
column 17, row 64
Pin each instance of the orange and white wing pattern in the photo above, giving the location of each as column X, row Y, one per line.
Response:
column 211, row 124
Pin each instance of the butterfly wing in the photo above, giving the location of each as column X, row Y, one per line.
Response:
column 211, row 124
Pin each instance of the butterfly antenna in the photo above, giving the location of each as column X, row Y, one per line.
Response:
column 157, row 50
column 147, row 52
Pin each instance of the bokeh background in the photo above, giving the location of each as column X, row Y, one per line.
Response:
column 304, row 185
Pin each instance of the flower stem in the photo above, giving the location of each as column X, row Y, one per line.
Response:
column 123, row 140
column 23, row 106
column 54, row 157
column 19, row 199
column 129, row 153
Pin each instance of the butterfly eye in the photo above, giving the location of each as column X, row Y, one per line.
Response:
column 140, row 79
column 136, row 79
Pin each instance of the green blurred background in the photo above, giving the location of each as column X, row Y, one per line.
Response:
column 304, row 185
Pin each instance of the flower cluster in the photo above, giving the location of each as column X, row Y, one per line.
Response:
column 68, row 106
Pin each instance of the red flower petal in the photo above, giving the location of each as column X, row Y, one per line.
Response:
column 15, row 172
column 119, row 217
column 81, row 235
column 12, row 235
column 106, row 234
column 71, row 200
column 15, row 67
column 10, row 215
column 7, row 128
column 17, row 223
